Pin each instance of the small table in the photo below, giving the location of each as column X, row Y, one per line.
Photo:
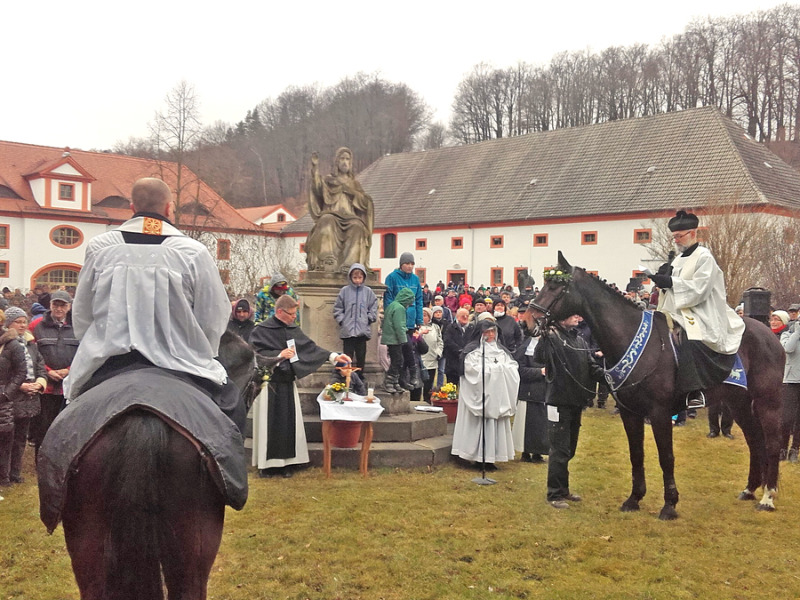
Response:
column 357, row 409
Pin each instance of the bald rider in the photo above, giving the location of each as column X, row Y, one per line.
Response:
column 148, row 295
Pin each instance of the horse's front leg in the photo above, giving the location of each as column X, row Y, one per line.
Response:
column 662, row 431
column 634, row 429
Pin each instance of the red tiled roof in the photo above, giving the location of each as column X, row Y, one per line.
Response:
column 254, row 213
column 114, row 176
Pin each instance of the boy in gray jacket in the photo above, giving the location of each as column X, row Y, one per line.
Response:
column 355, row 310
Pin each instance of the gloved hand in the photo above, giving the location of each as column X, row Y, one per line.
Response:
column 665, row 269
column 662, row 281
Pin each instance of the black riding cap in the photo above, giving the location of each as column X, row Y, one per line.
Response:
column 683, row 221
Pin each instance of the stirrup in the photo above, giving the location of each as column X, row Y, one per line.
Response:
column 696, row 399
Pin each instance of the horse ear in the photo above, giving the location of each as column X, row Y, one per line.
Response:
column 562, row 262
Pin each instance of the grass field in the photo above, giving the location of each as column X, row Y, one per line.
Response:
column 406, row 534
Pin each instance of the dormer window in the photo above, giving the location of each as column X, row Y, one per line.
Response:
column 66, row 191
column 281, row 217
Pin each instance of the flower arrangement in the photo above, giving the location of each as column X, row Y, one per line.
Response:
column 333, row 389
column 557, row 275
column 449, row 391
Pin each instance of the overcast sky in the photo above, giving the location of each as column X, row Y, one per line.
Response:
column 86, row 73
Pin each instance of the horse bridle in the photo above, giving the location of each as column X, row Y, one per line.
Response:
column 547, row 315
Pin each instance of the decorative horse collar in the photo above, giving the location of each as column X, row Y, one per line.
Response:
column 618, row 374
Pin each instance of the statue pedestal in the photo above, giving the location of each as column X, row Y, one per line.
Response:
column 317, row 294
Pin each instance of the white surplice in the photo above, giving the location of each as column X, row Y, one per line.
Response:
column 164, row 300
column 502, row 385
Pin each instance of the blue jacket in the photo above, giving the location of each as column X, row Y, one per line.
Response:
column 356, row 308
column 397, row 280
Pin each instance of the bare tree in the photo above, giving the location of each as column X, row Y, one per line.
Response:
column 740, row 239
column 175, row 132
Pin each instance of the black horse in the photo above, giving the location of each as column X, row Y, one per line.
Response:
column 649, row 389
column 144, row 505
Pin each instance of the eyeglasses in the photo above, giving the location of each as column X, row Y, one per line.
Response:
column 677, row 236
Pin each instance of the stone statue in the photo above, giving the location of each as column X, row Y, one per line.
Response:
column 343, row 217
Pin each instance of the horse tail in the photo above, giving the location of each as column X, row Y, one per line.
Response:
column 132, row 487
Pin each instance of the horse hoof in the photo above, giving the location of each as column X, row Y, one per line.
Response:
column 668, row 513
column 745, row 495
column 629, row 507
column 765, row 507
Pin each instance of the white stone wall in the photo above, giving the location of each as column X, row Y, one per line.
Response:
column 615, row 256
column 31, row 248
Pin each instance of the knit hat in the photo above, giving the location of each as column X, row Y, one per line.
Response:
column 428, row 311
column 781, row 314
column 37, row 309
column 13, row 313
column 406, row 257
column 435, row 309
column 486, row 316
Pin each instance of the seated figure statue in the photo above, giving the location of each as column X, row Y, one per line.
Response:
column 343, row 217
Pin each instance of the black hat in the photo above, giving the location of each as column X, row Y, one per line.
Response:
column 486, row 325
column 242, row 305
column 683, row 221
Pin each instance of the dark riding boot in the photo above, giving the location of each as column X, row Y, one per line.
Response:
column 695, row 399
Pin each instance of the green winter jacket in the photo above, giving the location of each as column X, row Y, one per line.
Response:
column 394, row 319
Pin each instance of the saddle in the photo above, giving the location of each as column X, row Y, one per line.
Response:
column 179, row 404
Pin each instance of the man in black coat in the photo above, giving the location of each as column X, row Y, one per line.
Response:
column 456, row 336
column 571, row 375
column 294, row 356
column 57, row 344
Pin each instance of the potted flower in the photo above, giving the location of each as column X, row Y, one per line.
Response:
column 335, row 392
column 447, row 398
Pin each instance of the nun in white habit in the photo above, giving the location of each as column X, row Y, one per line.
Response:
column 487, row 368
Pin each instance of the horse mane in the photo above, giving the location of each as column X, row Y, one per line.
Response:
column 606, row 287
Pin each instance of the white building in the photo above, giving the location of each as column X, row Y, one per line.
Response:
column 482, row 212
column 53, row 200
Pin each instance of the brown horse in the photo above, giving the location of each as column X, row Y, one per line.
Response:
column 648, row 390
column 144, row 506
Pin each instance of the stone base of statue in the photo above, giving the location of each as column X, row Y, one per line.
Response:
column 317, row 294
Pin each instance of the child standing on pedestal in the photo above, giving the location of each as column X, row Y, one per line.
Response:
column 355, row 310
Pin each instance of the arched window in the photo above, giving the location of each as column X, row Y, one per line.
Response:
column 65, row 236
column 57, row 275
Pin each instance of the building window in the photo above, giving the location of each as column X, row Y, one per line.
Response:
column 3, row 268
column 223, row 250
column 593, row 273
column 702, row 234
column 377, row 274
column 588, row 238
column 57, row 276
column 456, row 243
column 517, row 271
column 389, row 245
column 66, row 191
column 302, row 248
column 641, row 276
column 496, row 241
column 421, row 274
column 496, row 276
column 457, row 277
column 65, row 236
column 281, row 217
column 422, row 244
column 4, row 236
column 540, row 239
column 225, row 276
column 642, row 236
